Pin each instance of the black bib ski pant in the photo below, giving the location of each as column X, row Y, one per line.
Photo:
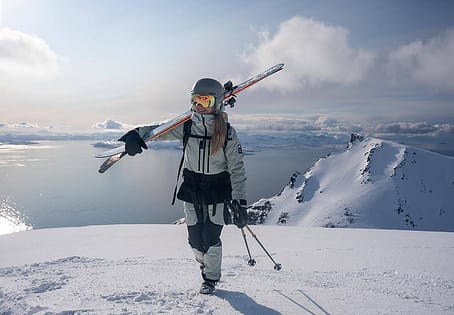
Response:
column 204, row 233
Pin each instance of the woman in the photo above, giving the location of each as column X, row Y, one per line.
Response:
column 213, row 172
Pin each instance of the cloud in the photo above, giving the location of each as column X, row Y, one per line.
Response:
column 314, row 54
column 418, row 128
column 26, row 55
column 20, row 125
column 323, row 124
column 428, row 63
column 25, row 125
column 111, row 124
column 273, row 123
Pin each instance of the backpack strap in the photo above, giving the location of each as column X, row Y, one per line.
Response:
column 227, row 135
column 186, row 134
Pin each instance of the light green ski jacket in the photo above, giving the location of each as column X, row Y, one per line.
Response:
column 197, row 157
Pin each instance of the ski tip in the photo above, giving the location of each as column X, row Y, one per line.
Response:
column 279, row 66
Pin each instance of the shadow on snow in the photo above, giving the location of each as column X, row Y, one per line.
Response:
column 244, row 304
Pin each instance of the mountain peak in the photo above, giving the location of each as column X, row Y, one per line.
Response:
column 373, row 183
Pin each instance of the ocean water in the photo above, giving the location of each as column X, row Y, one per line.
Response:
column 56, row 184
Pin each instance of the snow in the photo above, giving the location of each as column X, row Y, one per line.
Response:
column 149, row 269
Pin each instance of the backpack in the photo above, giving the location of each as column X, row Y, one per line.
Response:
column 186, row 135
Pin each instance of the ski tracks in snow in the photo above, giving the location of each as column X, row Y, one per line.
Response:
column 98, row 286
column 142, row 285
column 145, row 285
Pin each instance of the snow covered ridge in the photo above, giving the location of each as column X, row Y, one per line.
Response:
column 373, row 183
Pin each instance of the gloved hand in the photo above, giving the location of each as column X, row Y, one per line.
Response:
column 240, row 216
column 133, row 142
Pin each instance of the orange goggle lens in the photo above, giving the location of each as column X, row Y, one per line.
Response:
column 203, row 100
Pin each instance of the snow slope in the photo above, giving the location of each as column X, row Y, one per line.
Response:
column 372, row 184
column 149, row 269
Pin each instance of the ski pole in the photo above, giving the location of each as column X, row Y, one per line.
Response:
column 251, row 262
column 277, row 266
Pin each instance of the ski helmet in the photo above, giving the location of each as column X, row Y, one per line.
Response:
column 207, row 86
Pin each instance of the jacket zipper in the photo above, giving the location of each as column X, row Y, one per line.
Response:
column 208, row 160
column 204, row 145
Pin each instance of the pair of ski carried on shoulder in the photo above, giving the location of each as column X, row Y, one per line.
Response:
column 231, row 91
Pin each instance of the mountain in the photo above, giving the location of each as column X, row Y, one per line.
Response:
column 373, row 183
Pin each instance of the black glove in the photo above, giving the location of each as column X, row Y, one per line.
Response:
column 240, row 217
column 133, row 142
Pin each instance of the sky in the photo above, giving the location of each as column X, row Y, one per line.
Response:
column 382, row 65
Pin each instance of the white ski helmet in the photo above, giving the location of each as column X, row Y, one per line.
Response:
column 207, row 86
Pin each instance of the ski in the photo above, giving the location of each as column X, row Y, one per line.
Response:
column 114, row 155
column 164, row 127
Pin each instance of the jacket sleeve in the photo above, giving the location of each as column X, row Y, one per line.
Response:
column 174, row 134
column 235, row 164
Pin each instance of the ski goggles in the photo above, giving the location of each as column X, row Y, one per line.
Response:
column 203, row 100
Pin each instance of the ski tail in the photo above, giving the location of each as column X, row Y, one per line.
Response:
column 110, row 161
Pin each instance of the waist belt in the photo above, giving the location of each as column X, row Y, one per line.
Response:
column 206, row 189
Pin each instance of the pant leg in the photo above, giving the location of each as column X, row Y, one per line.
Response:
column 194, row 222
column 198, row 256
column 204, row 239
column 212, row 263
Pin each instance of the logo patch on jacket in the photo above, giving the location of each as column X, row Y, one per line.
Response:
column 240, row 149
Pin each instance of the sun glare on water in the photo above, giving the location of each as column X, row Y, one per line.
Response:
column 11, row 220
